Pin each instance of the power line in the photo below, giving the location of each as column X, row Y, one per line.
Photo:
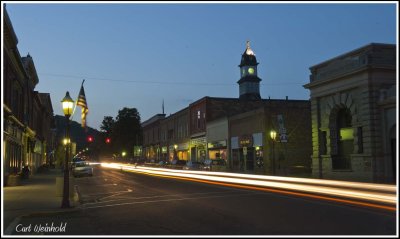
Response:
column 161, row 82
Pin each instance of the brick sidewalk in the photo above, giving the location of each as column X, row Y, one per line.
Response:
column 36, row 195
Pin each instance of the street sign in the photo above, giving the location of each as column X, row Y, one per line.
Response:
column 282, row 130
column 283, row 138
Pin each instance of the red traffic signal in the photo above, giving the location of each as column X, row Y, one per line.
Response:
column 90, row 139
column 108, row 140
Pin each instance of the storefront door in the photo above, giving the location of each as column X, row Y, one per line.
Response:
column 250, row 159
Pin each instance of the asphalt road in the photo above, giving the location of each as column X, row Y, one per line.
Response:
column 125, row 203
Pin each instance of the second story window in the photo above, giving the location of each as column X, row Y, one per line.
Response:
column 198, row 119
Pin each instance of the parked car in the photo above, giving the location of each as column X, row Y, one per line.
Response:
column 215, row 165
column 194, row 165
column 74, row 161
column 81, row 168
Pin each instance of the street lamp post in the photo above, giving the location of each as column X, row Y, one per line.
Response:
column 273, row 137
column 67, row 104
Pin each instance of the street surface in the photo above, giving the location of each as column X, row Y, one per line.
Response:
column 125, row 203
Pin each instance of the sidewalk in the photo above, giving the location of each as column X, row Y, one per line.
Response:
column 36, row 195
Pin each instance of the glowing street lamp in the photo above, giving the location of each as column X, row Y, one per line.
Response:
column 175, row 152
column 66, row 141
column 273, row 137
column 67, row 105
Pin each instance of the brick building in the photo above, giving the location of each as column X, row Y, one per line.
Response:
column 210, row 128
column 27, row 116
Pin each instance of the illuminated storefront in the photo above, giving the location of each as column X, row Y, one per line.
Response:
column 217, row 150
column 182, row 151
column 198, row 149
column 247, row 152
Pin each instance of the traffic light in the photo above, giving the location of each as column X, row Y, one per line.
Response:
column 90, row 139
column 108, row 140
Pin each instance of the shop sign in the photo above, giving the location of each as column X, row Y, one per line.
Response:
column 246, row 141
column 217, row 144
column 283, row 138
column 183, row 146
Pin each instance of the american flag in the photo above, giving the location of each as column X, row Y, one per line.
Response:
column 82, row 103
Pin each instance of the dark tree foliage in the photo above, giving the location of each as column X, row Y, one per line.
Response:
column 107, row 148
column 107, row 124
column 126, row 131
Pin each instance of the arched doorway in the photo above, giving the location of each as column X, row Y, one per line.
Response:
column 342, row 138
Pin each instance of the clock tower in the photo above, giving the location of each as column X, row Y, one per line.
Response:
column 249, row 83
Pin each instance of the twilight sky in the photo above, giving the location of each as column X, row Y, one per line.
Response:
column 136, row 55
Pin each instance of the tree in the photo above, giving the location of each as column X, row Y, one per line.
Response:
column 106, row 148
column 126, row 132
column 107, row 124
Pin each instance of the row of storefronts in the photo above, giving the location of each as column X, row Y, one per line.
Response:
column 28, row 138
column 346, row 131
column 242, row 140
column 236, row 130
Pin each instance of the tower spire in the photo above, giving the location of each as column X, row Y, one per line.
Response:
column 249, row 83
column 163, row 106
column 248, row 49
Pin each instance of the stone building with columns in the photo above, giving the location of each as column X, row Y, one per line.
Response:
column 353, row 112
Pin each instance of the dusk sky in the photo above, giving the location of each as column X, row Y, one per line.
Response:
column 137, row 55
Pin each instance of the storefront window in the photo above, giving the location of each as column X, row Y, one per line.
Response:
column 217, row 154
column 183, row 155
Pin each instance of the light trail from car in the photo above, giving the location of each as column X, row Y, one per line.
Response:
column 354, row 191
column 323, row 182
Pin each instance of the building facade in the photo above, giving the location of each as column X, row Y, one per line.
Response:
column 354, row 115
column 14, row 128
column 25, row 115
column 166, row 138
column 217, row 139
column 252, row 149
column 152, row 149
column 237, row 129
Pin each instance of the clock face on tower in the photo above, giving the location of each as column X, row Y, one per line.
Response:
column 251, row 70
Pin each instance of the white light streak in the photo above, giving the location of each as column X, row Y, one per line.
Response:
column 366, row 191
